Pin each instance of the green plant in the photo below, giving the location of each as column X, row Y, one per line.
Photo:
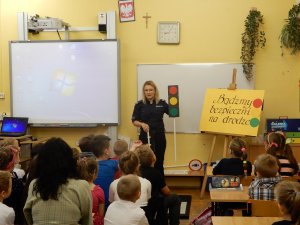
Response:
column 252, row 38
column 290, row 33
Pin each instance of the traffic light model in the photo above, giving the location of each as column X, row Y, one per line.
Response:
column 173, row 100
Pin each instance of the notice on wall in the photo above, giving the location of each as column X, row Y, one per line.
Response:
column 233, row 112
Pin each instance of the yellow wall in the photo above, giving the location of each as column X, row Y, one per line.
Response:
column 210, row 32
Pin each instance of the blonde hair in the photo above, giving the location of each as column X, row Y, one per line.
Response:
column 5, row 179
column 156, row 96
column 287, row 194
column 266, row 165
column 120, row 147
column 128, row 187
column 129, row 163
column 145, row 155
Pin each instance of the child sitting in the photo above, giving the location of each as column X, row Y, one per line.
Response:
column 100, row 146
column 125, row 211
column 129, row 164
column 266, row 168
column 119, row 148
column 9, row 157
column 276, row 146
column 287, row 194
column 7, row 214
column 88, row 170
column 162, row 200
column 237, row 164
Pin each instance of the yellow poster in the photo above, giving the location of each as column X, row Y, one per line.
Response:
column 234, row 112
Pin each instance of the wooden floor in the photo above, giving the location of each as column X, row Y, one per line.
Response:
column 197, row 204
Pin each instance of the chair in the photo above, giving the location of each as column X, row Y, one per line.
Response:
column 265, row 208
column 246, row 180
column 293, row 178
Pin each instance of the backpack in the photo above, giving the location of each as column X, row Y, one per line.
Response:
column 204, row 217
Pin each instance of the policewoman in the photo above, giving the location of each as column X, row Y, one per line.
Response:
column 148, row 116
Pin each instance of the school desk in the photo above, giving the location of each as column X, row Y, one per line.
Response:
column 237, row 220
column 219, row 195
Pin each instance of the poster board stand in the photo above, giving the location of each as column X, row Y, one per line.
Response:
column 229, row 112
column 232, row 86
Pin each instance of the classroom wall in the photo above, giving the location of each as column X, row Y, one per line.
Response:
column 210, row 32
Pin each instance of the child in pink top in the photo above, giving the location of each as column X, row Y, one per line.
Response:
column 88, row 170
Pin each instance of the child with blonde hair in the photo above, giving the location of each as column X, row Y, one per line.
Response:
column 7, row 214
column 129, row 164
column 125, row 211
column 88, row 170
column 162, row 199
column 266, row 168
column 9, row 157
column 287, row 194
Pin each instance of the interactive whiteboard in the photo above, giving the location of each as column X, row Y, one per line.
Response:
column 193, row 80
column 65, row 83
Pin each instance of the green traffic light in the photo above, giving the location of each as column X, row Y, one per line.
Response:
column 173, row 112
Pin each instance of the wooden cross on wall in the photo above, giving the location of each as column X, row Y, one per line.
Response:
column 146, row 17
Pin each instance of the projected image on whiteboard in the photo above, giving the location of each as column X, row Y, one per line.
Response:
column 65, row 82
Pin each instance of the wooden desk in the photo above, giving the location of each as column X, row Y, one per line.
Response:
column 184, row 178
column 237, row 220
column 229, row 196
column 218, row 196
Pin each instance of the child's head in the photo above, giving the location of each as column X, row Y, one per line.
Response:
column 88, row 169
column 145, row 155
column 287, row 194
column 14, row 144
column 8, row 157
column 274, row 142
column 84, row 143
column 129, row 188
column 266, row 165
column 238, row 149
column 5, row 184
column 100, row 145
column 120, row 147
column 129, row 163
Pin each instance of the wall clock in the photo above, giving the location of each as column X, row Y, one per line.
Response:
column 168, row 32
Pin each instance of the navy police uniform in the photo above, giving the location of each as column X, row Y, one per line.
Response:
column 152, row 114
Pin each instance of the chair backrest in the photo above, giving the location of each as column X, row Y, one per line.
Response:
column 246, row 180
column 293, row 178
column 265, row 208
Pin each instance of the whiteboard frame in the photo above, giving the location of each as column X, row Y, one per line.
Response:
column 158, row 71
column 91, row 121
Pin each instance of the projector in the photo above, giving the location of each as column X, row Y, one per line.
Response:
column 36, row 24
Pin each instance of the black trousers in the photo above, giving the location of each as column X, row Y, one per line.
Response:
column 163, row 210
column 158, row 145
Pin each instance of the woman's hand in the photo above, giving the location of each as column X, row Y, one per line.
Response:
column 145, row 127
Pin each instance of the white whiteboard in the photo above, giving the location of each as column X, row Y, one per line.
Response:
column 193, row 80
column 65, row 83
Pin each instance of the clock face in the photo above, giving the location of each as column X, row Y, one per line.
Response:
column 168, row 33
